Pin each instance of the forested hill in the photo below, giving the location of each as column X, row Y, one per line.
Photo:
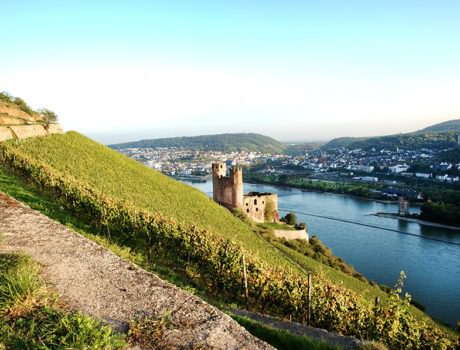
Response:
column 221, row 142
column 438, row 136
column 450, row 125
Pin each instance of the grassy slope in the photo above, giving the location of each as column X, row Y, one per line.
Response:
column 16, row 188
column 125, row 179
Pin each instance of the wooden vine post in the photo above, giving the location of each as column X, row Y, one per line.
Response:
column 309, row 300
column 245, row 281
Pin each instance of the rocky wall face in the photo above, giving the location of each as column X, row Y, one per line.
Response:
column 15, row 112
column 8, row 120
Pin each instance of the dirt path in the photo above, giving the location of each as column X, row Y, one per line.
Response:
column 93, row 280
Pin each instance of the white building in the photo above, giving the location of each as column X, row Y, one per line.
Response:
column 423, row 175
column 400, row 168
column 364, row 168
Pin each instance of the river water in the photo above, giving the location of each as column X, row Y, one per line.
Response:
column 431, row 265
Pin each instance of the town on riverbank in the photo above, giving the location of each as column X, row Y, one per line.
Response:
column 426, row 176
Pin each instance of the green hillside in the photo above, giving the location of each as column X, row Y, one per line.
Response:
column 406, row 141
column 222, row 142
column 170, row 221
column 438, row 136
column 450, row 125
column 120, row 177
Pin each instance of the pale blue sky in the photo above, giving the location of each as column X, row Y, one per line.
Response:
column 295, row 70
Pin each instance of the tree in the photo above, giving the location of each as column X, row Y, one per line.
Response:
column 290, row 219
column 50, row 116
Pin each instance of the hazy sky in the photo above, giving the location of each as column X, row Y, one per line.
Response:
column 294, row 70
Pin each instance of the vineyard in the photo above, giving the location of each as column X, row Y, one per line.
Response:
column 169, row 220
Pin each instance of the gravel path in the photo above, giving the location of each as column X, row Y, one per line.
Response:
column 300, row 329
column 93, row 280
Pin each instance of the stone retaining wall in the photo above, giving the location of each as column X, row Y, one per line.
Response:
column 5, row 134
column 25, row 131
column 291, row 234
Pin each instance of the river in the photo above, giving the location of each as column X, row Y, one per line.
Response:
column 432, row 266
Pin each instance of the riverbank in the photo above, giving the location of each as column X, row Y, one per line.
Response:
column 418, row 221
column 316, row 190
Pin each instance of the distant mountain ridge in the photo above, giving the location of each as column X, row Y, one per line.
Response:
column 450, row 125
column 438, row 136
column 250, row 142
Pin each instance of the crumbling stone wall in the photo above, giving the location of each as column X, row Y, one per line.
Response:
column 254, row 205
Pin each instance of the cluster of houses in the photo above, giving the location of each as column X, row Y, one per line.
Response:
column 362, row 164
column 187, row 162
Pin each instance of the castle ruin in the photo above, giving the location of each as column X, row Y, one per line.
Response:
column 228, row 191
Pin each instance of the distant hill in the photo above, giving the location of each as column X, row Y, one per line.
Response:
column 438, row 136
column 221, row 142
column 450, row 125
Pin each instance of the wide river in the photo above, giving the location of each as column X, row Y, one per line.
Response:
column 429, row 256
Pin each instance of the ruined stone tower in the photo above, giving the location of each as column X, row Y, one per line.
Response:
column 227, row 190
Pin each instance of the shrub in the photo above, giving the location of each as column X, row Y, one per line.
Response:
column 5, row 97
column 50, row 116
column 22, row 105
column 290, row 219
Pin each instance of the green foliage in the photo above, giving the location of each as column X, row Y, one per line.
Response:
column 411, row 141
column 22, row 105
column 448, row 214
column 452, row 156
column 149, row 333
column 270, row 211
column 361, row 190
column 281, row 339
column 222, row 142
column 50, row 116
column 170, row 221
column 290, row 219
column 450, row 125
column 6, row 97
column 29, row 318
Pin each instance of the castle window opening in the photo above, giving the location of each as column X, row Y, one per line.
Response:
column 247, row 210
column 257, row 209
column 247, row 204
column 263, row 202
column 255, row 201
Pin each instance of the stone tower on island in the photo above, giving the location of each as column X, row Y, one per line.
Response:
column 228, row 191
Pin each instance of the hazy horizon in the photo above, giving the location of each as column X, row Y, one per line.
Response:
column 291, row 70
